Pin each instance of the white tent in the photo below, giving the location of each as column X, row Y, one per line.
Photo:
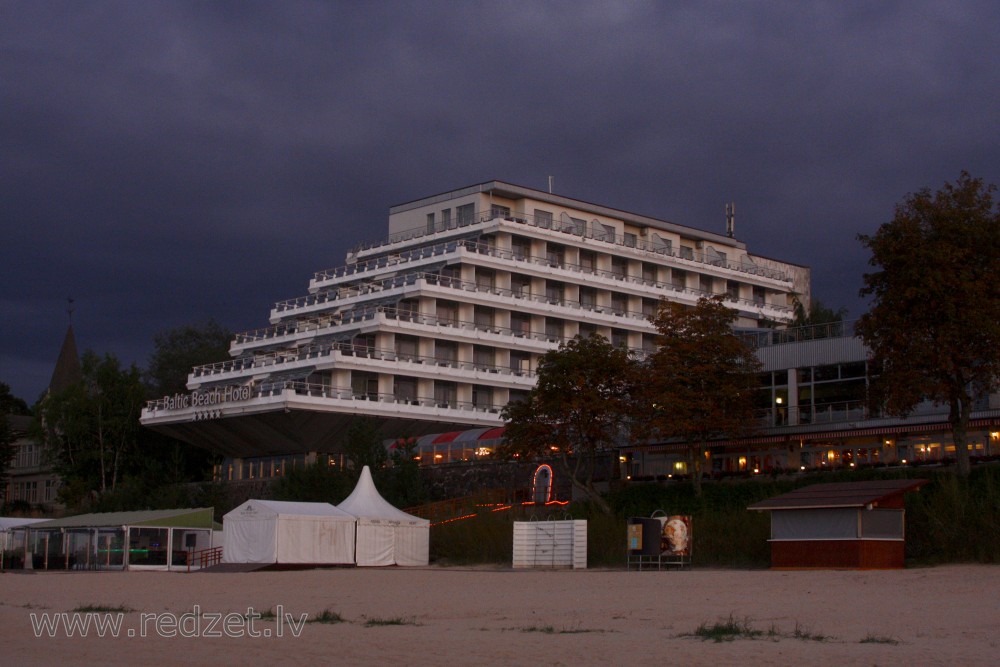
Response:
column 386, row 535
column 272, row 531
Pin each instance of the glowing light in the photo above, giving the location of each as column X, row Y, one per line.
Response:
column 802, row 467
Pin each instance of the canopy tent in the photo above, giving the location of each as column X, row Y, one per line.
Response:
column 273, row 531
column 150, row 539
column 386, row 535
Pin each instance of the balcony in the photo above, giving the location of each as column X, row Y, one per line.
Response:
column 586, row 231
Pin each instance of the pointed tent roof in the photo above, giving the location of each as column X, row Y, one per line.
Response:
column 254, row 509
column 365, row 502
column 67, row 371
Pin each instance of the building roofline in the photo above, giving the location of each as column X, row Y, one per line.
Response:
column 513, row 191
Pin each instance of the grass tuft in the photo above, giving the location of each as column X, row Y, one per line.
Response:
column 879, row 639
column 806, row 634
column 396, row 620
column 327, row 616
column 727, row 630
column 102, row 609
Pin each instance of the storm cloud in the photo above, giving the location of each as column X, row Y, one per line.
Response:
column 163, row 163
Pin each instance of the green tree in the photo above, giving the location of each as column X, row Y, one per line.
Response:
column 92, row 428
column 363, row 446
column 701, row 380
column 9, row 405
column 816, row 314
column 579, row 407
column 402, row 483
column 177, row 351
column 934, row 323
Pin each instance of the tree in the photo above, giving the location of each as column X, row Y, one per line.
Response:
column 816, row 314
column 177, row 351
column 701, row 380
column 91, row 428
column 403, row 486
column 934, row 323
column 580, row 406
column 363, row 446
column 9, row 405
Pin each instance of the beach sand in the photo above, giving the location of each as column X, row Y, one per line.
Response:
column 946, row 615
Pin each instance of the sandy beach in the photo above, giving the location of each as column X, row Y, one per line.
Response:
column 474, row 616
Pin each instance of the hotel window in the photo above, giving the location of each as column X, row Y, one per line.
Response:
column 661, row 244
column 733, row 290
column 648, row 343
column 678, row 279
column 619, row 303
column 587, row 329
column 687, row 252
column 484, row 318
column 520, row 286
column 543, row 219
column 445, row 218
column 406, row 348
column 407, row 309
column 555, row 254
column 619, row 267
column 758, row 295
column 444, row 394
column 588, row 261
column 576, row 226
column 485, row 279
column 498, row 211
column 446, row 353
column 447, row 313
column 520, row 247
column 364, row 345
column 404, row 389
column 482, row 397
column 553, row 329
column 520, row 362
column 466, row 214
column 649, row 307
column 705, row 284
column 554, row 291
column 631, row 240
column 364, row 385
column 619, row 337
column 588, row 297
column 483, row 358
column 430, row 223
column 520, row 323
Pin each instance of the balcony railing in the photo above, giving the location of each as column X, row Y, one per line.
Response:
column 352, row 349
column 302, row 388
column 830, row 413
column 771, row 337
column 375, row 286
column 586, row 231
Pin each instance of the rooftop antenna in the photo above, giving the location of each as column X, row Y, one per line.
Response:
column 550, row 184
column 730, row 219
column 69, row 309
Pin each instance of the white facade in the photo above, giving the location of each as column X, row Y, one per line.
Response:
column 442, row 323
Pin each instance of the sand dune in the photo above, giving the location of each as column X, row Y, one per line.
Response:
column 457, row 616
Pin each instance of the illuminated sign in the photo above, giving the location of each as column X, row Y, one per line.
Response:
column 200, row 399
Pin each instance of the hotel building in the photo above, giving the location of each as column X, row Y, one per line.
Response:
column 435, row 328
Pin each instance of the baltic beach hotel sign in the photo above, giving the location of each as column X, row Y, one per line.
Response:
column 202, row 399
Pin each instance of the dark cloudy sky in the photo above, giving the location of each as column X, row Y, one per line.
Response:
column 167, row 162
